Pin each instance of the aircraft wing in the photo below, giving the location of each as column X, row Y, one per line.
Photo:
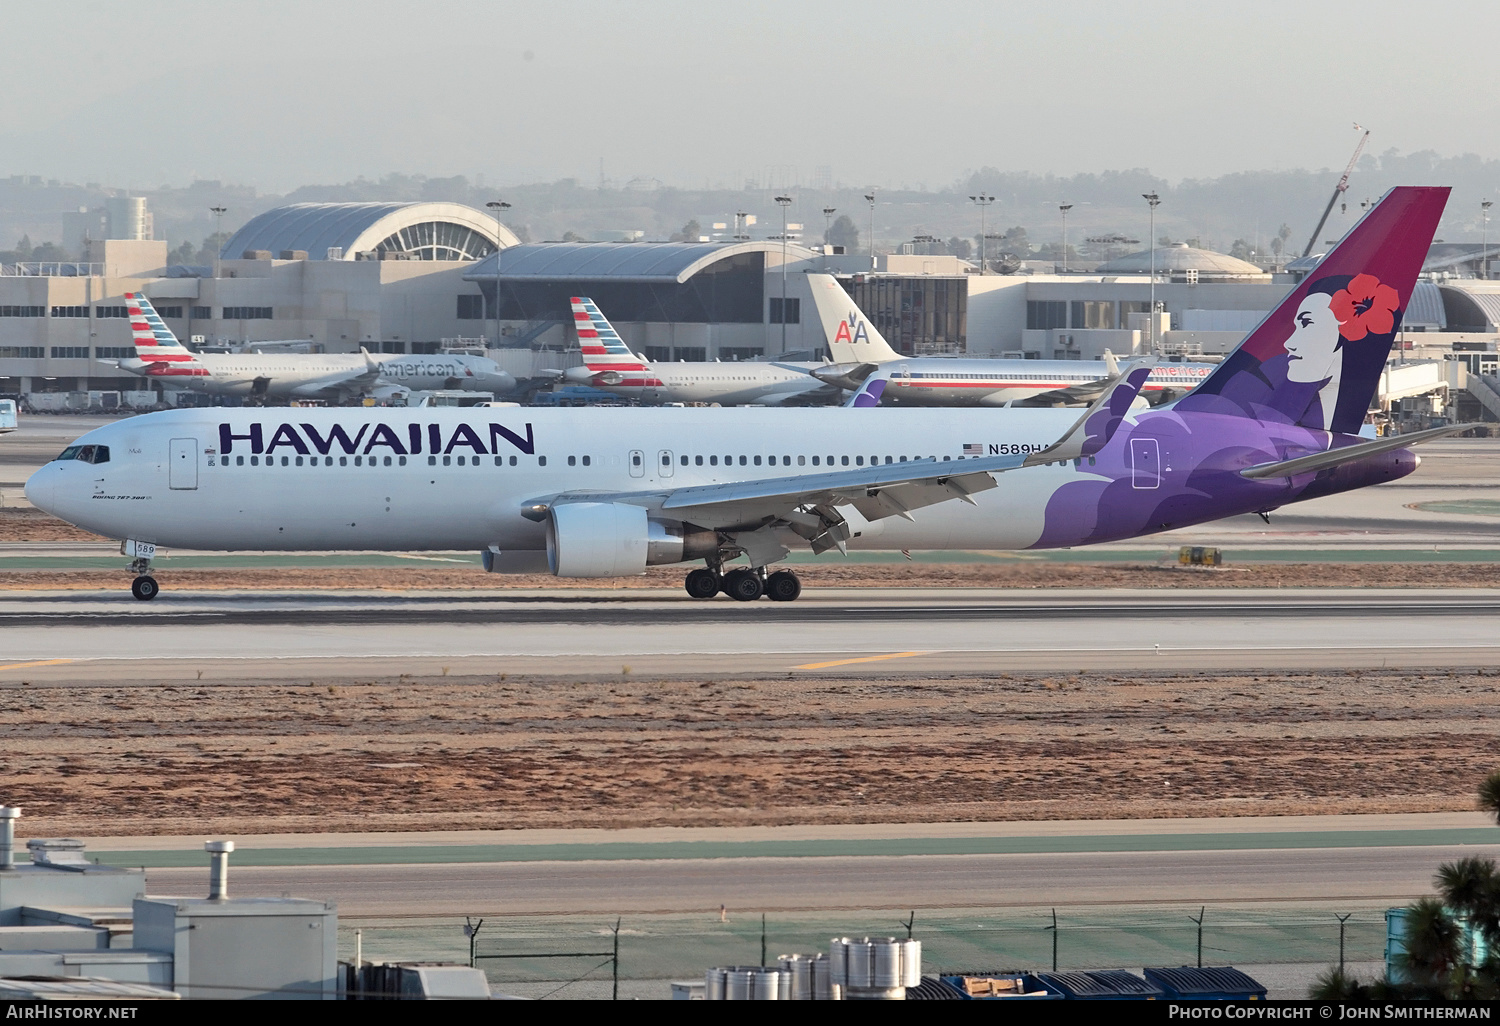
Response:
column 807, row 502
column 1348, row 453
column 344, row 382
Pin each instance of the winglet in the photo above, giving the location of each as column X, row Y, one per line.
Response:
column 1098, row 424
column 868, row 395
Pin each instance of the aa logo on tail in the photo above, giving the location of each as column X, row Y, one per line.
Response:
column 853, row 321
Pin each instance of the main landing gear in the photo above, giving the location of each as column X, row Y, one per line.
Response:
column 744, row 585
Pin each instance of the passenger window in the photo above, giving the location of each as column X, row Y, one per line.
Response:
column 947, row 458
column 666, row 460
column 388, row 461
column 239, row 461
column 541, row 461
column 713, row 461
column 431, row 461
column 698, row 460
column 572, row 461
column 635, row 459
column 447, row 461
column 757, row 461
column 401, row 460
column 786, row 461
column 801, row 461
column 255, row 461
column 499, row 461
column 903, row 459
column 815, row 461
column 844, row 460
column 859, row 461
column 343, row 461
column 359, row 461
column 889, row 460
column 513, row 461
column 299, row 461
column 587, row 461
column 461, row 461
column 742, row 460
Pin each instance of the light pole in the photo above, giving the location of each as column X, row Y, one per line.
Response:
column 982, row 201
column 495, row 207
column 870, row 199
column 1154, row 201
column 828, row 213
column 1064, row 208
column 1484, row 252
column 783, row 202
column 218, row 213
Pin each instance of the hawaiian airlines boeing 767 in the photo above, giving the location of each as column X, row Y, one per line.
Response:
column 608, row 492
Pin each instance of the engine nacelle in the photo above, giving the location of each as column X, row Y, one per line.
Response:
column 616, row 539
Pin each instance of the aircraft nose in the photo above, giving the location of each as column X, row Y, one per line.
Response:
column 41, row 488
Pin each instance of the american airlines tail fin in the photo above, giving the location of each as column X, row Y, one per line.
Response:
column 1316, row 360
column 603, row 349
column 851, row 336
column 155, row 344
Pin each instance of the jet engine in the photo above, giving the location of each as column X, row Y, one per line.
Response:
column 616, row 539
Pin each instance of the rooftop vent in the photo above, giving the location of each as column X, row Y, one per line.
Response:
column 218, row 869
column 57, row 851
column 8, row 816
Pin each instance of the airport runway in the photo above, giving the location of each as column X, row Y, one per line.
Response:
column 90, row 636
column 847, row 882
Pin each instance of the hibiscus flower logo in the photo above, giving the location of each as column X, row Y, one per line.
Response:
column 1364, row 307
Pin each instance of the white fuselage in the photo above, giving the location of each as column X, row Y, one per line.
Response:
column 313, row 374
column 925, row 381
column 728, row 384
column 398, row 479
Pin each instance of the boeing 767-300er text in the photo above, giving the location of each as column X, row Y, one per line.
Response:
column 608, row 492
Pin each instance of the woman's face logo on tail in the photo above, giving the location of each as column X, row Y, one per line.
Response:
column 1314, row 341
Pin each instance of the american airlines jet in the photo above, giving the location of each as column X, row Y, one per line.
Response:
column 608, row 492
column 161, row 357
column 860, row 352
column 610, row 365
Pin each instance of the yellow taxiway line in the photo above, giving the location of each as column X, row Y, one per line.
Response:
column 39, row 662
column 846, row 662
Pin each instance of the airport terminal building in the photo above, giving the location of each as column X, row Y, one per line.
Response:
column 419, row 276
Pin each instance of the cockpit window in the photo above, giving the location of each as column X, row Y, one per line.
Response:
column 86, row 453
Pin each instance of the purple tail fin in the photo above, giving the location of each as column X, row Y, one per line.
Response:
column 1316, row 359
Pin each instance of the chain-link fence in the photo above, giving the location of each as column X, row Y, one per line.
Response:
column 659, row 947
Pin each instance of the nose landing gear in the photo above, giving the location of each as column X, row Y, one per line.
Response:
column 145, row 587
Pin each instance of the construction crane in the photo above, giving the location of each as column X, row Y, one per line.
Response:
column 1341, row 188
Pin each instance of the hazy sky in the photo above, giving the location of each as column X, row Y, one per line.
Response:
column 281, row 93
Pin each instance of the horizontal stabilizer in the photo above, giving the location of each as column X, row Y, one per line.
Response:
column 1348, row 453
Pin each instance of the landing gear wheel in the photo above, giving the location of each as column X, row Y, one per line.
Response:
column 743, row 585
column 783, row 586
column 144, row 587
column 702, row 584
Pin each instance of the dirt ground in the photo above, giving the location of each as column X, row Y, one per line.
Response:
column 498, row 752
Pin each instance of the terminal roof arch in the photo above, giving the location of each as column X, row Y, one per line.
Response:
column 656, row 262
column 423, row 230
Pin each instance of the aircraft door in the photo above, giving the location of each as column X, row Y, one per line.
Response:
column 1145, row 463
column 182, row 466
column 664, row 458
column 637, row 463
